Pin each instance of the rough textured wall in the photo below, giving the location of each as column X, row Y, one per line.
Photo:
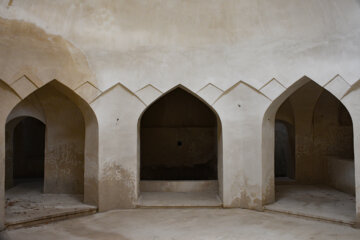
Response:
column 65, row 135
column 207, row 46
column 9, row 96
column 197, row 42
column 309, row 168
column 42, row 57
column 118, row 112
column 64, row 151
column 334, row 140
column 333, row 128
column 323, row 131
column 241, row 111
column 178, row 139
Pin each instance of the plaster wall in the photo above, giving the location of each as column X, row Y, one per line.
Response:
column 341, row 174
column 6, row 95
column 191, row 41
column 64, row 144
column 323, row 129
column 309, row 166
column 118, row 111
column 244, row 58
column 180, row 186
column 351, row 101
column 64, row 149
column 241, row 110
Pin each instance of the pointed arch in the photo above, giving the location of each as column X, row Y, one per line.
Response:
column 45, row 104
column 180, row 88
column 268, row 137
column 8, row 99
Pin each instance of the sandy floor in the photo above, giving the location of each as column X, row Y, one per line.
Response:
column 178, row 224
column 314, row 201
column 25, row 202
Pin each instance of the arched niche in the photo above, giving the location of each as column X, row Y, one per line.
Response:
column 71, row 145
column 180, row 142
column 323, row 157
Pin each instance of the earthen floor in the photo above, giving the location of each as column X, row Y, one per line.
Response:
column 185, row 224
column 320, row 202
column 25, row 203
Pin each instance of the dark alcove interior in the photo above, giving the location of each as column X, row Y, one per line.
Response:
column 178, row 139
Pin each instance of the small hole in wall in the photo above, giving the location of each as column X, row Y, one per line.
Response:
column 239, row 105
column 179, row 143
column 117, row 119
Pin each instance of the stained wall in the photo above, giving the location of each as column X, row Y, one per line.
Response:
column 323, row 137
column 243, row 58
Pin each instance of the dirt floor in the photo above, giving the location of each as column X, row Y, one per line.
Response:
column 25, row 203
column 315, row 201
column 176, row 224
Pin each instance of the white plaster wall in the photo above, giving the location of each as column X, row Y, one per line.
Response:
column 341, row 174
column 241, row 111
column 352, row 103
column 11, row 99
column 207, row 46
column 199, row 42
column 118, row 111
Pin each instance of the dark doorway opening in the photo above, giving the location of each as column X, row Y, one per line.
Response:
column 26, row 142
column 284, row 150
column 178, row 139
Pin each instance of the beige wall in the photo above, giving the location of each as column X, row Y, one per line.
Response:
column 243, row 58
column 64, row 148
column 118, row 111
column 6, row 95
column 323, row 130
column 71, row 138
column 64, row 144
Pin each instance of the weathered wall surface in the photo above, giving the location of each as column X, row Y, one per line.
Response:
column 309, row 166
column 206, row 46
column 351, row 101
column 118, row 111
column 64, row 144
column 241, row 111
column 8, row 96
column 323, row 131
column 203, row 41
column 64, row 149
column 333, row 128
column 341, row 174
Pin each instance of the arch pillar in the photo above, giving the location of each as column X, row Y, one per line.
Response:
column 9, row 99
column 241, row 110
column 352, row 103
column 118, row 111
